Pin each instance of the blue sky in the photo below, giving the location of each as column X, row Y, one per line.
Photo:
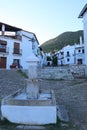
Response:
column 46, row 18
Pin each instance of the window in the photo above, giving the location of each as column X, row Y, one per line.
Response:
column 3, row 46
column 79, row 50
column 82, row 50
column 68, row 59
column 16, row 61
column 62, row 53
column 79, row 61
column 68, row 53
column 15, row 64
column 16, row 48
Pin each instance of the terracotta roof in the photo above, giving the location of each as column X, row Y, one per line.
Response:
column 9, row 27
column 83, row 11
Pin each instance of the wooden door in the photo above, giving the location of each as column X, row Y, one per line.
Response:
column 2, row 62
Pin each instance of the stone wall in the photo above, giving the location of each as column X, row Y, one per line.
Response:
column 77, row 70
column 55, row 73
column 64, row 72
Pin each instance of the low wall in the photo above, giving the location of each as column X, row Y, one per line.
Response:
column 61, row 72
column 55, row 73
column 77, row 70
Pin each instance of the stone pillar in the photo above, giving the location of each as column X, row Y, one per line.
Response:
column 32, row 89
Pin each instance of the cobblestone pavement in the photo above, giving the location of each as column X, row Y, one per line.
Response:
column 10, row 81
column 72, row 94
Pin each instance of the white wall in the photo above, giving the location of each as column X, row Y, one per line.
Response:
column 26, row 51
column 79, row 53
column 10, row 56
column 33, row 115
column 69, row 49
column 74, row 55
column 64, row 58
column 85, row 35
column 25, row 46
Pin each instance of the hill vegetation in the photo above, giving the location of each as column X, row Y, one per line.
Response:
column 66, row 38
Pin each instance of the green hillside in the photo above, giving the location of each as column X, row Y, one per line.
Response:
column 66, row 38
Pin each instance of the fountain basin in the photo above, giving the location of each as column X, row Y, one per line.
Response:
column 18, row 109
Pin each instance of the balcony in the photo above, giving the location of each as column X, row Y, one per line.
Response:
column 17, row 51
column 4, row 50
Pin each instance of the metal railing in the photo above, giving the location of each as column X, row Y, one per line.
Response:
column 4, row 50
column 17, row 51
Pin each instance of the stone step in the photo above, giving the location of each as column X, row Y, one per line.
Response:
column 27, row 127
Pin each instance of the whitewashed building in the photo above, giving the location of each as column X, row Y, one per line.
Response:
column 71, row 54
column 48, row 59
column 66, row 55
column 16, row 45
column 79, row 54
column 83, row 14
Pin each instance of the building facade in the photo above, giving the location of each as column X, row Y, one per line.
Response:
column 15, row 46
column 71, row 54
column 83, row 14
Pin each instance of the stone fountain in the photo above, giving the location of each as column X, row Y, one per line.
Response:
column 31, row 105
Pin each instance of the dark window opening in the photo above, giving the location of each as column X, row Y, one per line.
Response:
column 82, row 50
column 16, row 48
column 79, row 50
column 68, row 53
column 3, row 45
column 68, row 59
column 79, row 61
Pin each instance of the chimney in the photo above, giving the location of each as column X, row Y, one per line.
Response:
column 80, row 40
column 3, row 29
